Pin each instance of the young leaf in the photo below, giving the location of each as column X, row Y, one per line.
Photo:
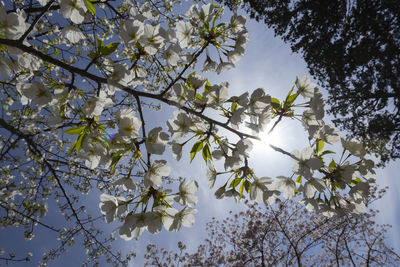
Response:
column 206, row 152
column 320, row 145
column 100, row 44
column 109, row 49
column 235, row 182
column 79, row 142
column 234, row 106
column 91, row 7
column 241, row 189
column 207, row 86
column 327, row 152
column 75, row 130
column 332, row 165
column 298, row 180
column 247, row 186
column 289, row 94
column 275, row 103
column 196, row 148
column 291, row 99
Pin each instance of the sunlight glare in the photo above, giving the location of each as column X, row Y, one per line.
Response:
column 274, row 138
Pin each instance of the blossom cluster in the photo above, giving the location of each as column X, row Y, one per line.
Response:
column 76, row 91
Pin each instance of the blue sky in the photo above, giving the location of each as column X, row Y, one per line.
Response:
column 270, row 64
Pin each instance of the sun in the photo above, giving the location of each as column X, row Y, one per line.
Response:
column 274, row 138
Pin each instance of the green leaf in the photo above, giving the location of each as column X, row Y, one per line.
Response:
column 332, row 165
column 355, row 181
column 327, row 152
column 234, row 106
column 206, row 152
column 289, row 94
column 109, row 49
column 275, row 103
column 298, row 180
column 75, row 130
column 196, row 148
column 198, row 96
column 79, row 142
column 291, row 99
column 207, row 86
column 115, row 159
column 241, row 189
column 235, row 182
column 247, row 185
column 100, row 44
column 93, row 55
column 320, row 145
column 91, row 7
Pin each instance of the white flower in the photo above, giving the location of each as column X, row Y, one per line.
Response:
column 120, row 75
column 328, row 134
column 243, row 147
column 366, row 167
column 258, row 187
column 29, row 61
column 12, row 25
column 211, row 174
column 153, row 176
column 134, row 226
column 317, row 105
column 110, row 207
column 74, row 10
column 286, row 186
column 37, row 92
column 186, row 194
column 313, row 185
column 184, row 33
column 94, row 106
column 206, row 13
column 72, row 33
column 196, row 81
column 310, row 203
column 176, row 150
column 184, row 217
column 209, row 64
column 126, row 183
column 131, row 31
column 237, row 23
column 151, row 40
column 171, row 55
column 217, row 94
column 359, row 207
column 154, row 143
column 307, row 163
column 305, row 87
column 345, row 174
column 180, row 125
column 128, row 124
column 5, row 68
column 360, row 191
column 94, row 149
column 354, row 147
column 269, row 196
column 224, row 66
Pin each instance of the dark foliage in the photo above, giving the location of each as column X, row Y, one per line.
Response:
column 353, row 49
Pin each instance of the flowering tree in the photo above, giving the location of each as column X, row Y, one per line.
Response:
column 285, row 234
column 82, row 81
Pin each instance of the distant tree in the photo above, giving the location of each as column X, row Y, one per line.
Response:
column 285, row 234
column 353, row 49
